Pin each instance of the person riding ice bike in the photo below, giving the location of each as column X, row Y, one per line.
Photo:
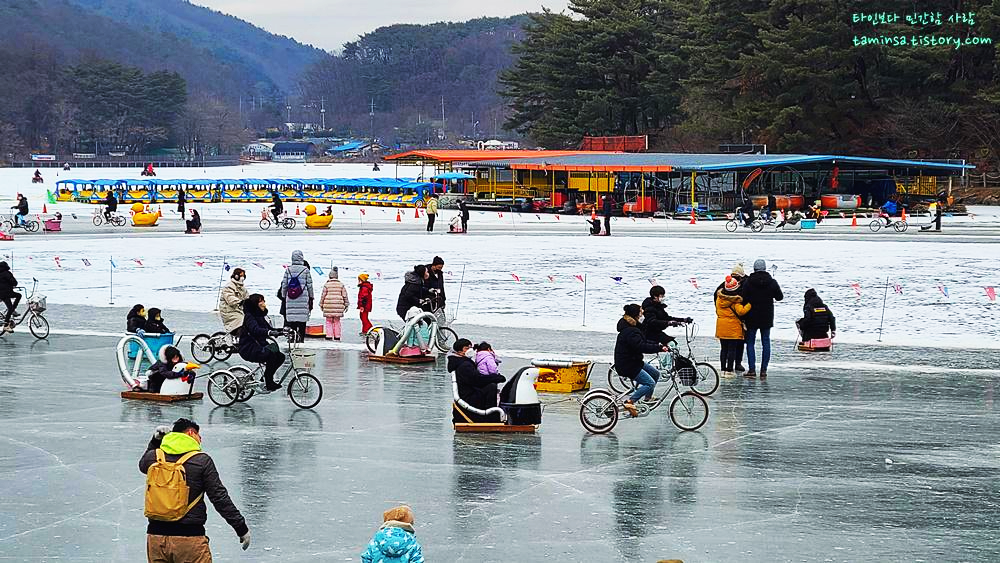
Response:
column 888, row 209
column 657, row 320
column 254, row 344
column 22, row 210
column 276, row 207
column 630, row 346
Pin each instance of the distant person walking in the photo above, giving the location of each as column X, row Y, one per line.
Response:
column 181, row 199
column 464, row 209
column 760, row 291
column 297, row 292
column 432, row 210
column 176, row 530
column 608, row 208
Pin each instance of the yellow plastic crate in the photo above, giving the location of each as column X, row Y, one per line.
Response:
column 563, row 376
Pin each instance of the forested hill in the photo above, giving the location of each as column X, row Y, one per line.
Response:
column 407, row 70
column 212, row 51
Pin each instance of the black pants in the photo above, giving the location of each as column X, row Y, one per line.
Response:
column 731, row 354
column 465, row 224
column 11, row 302
column 272, row 362
column 607, row 224
column 299, row 328
column 430, row 221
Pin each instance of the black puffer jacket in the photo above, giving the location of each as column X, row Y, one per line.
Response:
column 478, row 390
column 202, row 478
column 760, row 290
column 134, row 321
column 630, row 346
column 436, row 281
column 411, row 294
column 817, row 319
column 256, row 329
column 657, row 318
column 7, row 281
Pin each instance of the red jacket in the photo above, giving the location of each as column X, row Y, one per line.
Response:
column 365, row 296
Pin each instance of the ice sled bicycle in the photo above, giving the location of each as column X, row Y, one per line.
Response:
column 601, row 409
column 878, row 224
column 37, row 324
column 219, row 346
column 420, row 339
column 519, row 409
column 701, row 377
column 10, row 222
column 137, row 349
column 240, row 383
column 113, row 218
column 267, row 219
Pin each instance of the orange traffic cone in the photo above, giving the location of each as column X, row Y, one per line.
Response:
column 593, row 214
column 416, row 212
column 854, row 219
column 904, row 214
column 44, row 209
column 297, row 210
column 693, row 220
column 399, row 217
column 159, row 210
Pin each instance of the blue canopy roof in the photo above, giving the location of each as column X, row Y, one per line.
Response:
column 453, row 176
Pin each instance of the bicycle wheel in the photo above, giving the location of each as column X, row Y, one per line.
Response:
column 39, row 327
column 617, row 383
column 708, row 379
column 688, row 411
column 265, row 224
column 223, row 388
column 875, row 225
column 900, row 226
column 445, row 338
column 598, row 413
column 757, row 226
column 221, row 352
column 6, row 226
column 201, row 349
column 242, row 373
column 31, row 226
column 305, row 390
column 98, row 220
column 119, row 221
column 373, row 337
column 288, row 223
column 731, row 226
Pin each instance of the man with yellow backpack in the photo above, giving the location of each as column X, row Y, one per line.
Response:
column 178, row 476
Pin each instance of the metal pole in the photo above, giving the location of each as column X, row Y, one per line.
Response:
column 461, row 283
column 222, row 271
column 584, row 299
column 111, row 287
column 884, row 298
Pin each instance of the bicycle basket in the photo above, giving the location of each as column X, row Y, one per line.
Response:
column 687, row 377
column 37, row 304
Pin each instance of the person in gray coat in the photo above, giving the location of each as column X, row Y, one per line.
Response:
column 297, row 292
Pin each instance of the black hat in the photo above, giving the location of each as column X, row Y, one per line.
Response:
column 633, row 310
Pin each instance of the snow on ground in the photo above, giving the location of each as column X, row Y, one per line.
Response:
column 544, row 252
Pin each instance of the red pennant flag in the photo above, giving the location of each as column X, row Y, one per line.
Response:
column 991, row 293
column 58, row 265
column 552, row 278
column 694, row 282
column 85, row 262
column 362, row 210
column 513, row 275
column 899, row 289
column 378, row 275
column 857, row 288
column 137, row 261
column 652, row 281
column 579, row 277
column 200, row 264
column 557, row 217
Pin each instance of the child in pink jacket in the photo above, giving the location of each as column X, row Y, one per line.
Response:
column 334, row 304
column 487, row 361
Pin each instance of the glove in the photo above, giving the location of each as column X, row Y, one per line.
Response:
column 689, row 320
column 275, row 332
column 161, row 431
column 245, row 540
column 833, row 334
column 140, row 333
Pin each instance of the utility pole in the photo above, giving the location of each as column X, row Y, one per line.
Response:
column 322, row 111
column 442, row 117
column 371, row 117
column 288, row 111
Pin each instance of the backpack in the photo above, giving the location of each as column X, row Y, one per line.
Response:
column 167, row 489
column 294, row 288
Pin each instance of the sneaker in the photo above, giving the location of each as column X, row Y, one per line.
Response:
column 727, row 375
column 763, row 374
column 271, row 388
column 630, row 407
column 337, row 339
column 740, row 368
column 651, row 400
column 750, row 374
column 329, row 338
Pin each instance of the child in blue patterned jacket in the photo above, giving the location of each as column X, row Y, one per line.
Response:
column 395, row 541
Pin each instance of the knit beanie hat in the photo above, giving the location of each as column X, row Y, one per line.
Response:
column 760, row 265
column 738, row 270
column 363, row 277
column 633, row 310
column 731, row 283
column 334, row 273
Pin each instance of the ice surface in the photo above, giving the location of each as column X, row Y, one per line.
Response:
column 787, row 469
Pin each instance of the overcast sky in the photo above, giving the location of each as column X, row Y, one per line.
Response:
column 328, row 24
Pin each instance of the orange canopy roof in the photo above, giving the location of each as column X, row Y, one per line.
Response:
column 473, row 155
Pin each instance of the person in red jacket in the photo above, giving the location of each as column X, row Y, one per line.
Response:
column 364, row 302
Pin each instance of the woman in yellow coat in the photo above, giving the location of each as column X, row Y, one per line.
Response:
column 729, row 308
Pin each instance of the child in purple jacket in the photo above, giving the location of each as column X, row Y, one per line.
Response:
column 487, row 361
